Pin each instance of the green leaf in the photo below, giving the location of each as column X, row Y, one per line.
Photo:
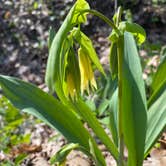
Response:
column 84, row 111
column 135, row 29
column 35, row 5
column 87, row 45
column 53, row 71
column 51, row 37
column 133, row 99
column 20, row 158
column 53, row 64
column 113, row 124
column 91, row 105
column 156, row 121
column 113, row 60
column 77, row 16
column 157, row 93
column 109, row 87
column 158, row 85
column 92, row 150
column 61, row 155
column 103, row 107
column 31, row 99
column 114, row 36
column 159, row 76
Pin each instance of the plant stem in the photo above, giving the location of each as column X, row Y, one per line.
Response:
column 120, row 47
column 121, row 149
column 101, row 16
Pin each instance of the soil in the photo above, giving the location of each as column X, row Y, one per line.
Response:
column 42, row 148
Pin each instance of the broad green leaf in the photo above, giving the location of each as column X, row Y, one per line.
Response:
column 60, row 157
column 84, row 111
column 53, row 64
column 135, row 29
column 159, row 82
column 31, row 99
column 133, row 103
column 156, row 121
column 53, row 71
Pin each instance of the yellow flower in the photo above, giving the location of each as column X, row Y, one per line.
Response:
column 86, row 72
column 71, row 86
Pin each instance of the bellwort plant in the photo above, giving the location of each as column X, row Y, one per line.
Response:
column 135, row 122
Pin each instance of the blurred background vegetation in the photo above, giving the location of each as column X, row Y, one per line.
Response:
column 24, row 28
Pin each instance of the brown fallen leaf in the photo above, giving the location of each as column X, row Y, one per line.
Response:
column 25, row 148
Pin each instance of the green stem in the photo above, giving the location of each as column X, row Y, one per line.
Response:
column 120, row 62
column 101, row 16
column 120, row 47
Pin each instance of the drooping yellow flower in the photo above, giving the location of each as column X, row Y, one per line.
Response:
column 71, row 86
column 86, row 72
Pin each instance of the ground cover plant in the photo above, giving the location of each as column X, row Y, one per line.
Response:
column 12, row 131
column 135, row 122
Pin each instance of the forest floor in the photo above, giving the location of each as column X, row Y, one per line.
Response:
column 23, row 53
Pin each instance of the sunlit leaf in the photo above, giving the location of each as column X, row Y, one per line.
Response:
column 133, row 102
column 54, row 71
column 77, row 17
column 135, row 29
column 31, row 99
